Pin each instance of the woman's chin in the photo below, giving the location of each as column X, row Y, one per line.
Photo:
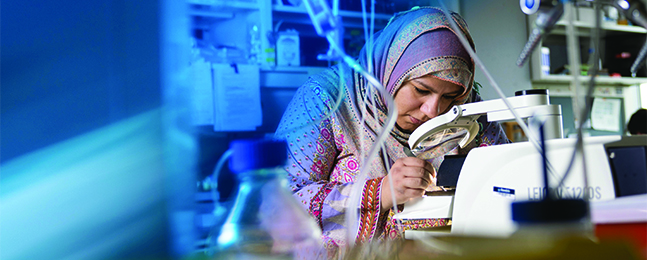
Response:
column 408, row 127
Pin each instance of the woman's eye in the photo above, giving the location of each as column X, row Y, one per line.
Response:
column 452, row 97
column 421, row 91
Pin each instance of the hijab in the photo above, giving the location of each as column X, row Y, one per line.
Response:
column 415, row 43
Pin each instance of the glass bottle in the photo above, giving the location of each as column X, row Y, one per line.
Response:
column 266, row 221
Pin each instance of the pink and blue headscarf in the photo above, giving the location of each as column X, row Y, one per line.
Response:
column 421, row 42
column 415, row 43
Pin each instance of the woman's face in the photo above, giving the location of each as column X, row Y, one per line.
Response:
column 423, row 98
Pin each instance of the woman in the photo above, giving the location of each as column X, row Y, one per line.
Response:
column 422, row 64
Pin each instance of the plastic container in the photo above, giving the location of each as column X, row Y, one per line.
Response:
column 552, row 220
column 266, row 221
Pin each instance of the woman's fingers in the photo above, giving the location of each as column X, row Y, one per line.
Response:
column 411, row 177
column 418, row 163
column 421, row 173
column 416, row 183
column 413, row 193
column 430, row 168
column 413, row 162
column 404, row 193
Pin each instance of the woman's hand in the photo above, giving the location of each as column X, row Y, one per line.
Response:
column 410, row 176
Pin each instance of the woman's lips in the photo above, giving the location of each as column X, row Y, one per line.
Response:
column 415, row 120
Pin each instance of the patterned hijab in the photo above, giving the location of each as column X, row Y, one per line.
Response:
column 415, row 43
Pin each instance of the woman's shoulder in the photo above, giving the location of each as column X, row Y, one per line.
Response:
column 328, row 77
column 325, row 82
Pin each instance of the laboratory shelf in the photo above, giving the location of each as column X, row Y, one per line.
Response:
column 342, row 13
column 600, row 80
column 287, row 77
column 605, row 26
column 615, row 38
column 219, row 10
column 584, row 29
column 224, row 5
column 351, row 19
column 561, row 90
column 211, row 14
column 294, row 69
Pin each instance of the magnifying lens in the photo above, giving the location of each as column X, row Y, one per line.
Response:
column 451, row 127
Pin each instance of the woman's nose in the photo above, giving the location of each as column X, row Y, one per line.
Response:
column 431, row 107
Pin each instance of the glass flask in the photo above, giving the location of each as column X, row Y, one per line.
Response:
column 266, row 221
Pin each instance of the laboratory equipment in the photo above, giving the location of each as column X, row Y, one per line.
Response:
column 549, row 12
column 553, row 215
column 265, row 220
column 527, row 103
column 627, row 161
column 482, row 186
column 287, row 48
column 636, row 12
column 328, row 24
column 492, row 178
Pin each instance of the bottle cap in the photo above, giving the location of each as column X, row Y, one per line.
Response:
column 549, row 211
column 257, row 154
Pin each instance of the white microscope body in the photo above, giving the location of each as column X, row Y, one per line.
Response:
column 493, row 177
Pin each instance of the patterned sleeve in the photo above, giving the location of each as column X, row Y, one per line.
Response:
column 307, row 125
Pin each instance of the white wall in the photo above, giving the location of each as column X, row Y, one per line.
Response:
column 499, row 31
